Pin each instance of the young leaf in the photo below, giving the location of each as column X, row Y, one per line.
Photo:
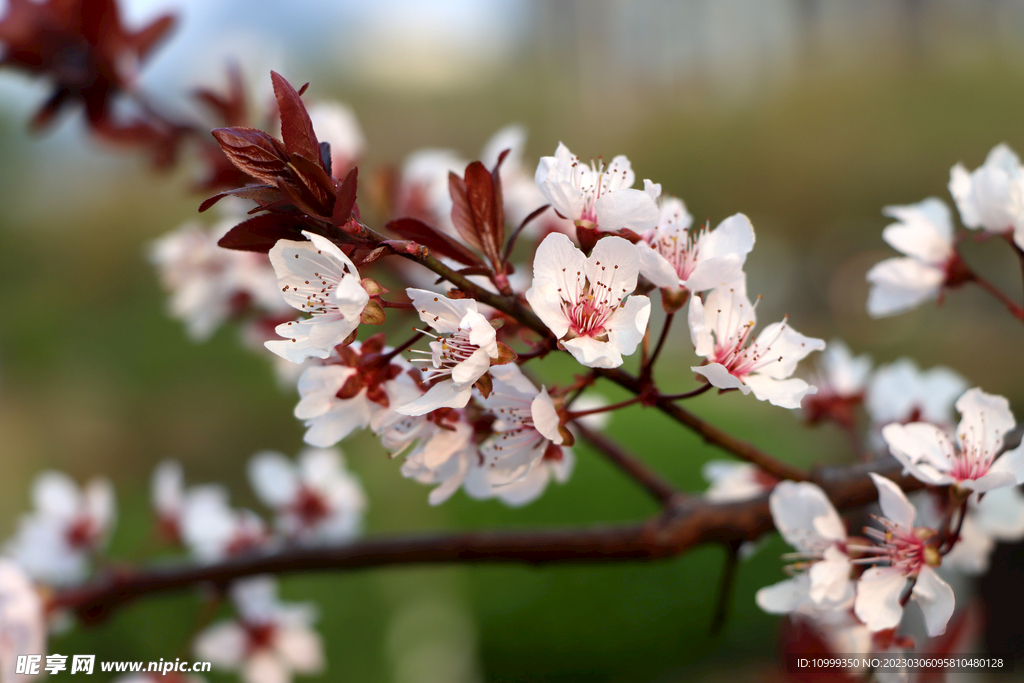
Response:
column 296, row 128
column 262, row 232
column 418, row 231
column 345, row 199
column 254, row 153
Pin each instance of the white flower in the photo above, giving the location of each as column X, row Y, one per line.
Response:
column 910, row 552
column 991, row 197
column 585, row 302
column 899, row 392
column 673, row 257
column 925, row 234
column 167, row 491
column 996, row 517
column 316, row 278
column 22, row 620
column 595, row 195
column 841, row 380
column 337, row 124
column 974, row 462
column 213, row 530
column 526, row 425
column 460, row 356
column 734, row 481
column 69, row 525
column 807, row 520
column 269, row 641
column 441, row 450
column 558, row 464
column 721, row 328
column 207, row 283
column 315, row 500
column 355, row 389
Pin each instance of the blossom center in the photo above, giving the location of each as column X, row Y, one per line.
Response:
column 310, row 507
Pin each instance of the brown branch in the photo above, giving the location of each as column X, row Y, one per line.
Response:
column 684, row 525
column 661, row 490
column 710, row 433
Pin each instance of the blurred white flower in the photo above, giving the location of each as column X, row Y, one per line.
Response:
column 807, row 520
column 208, row 284
column 586, row 302
column 69, row 525
column 732, row 481
column 997, row 517
column 316, row 499
column 991, row 197
column 316, row 278
column 440, row 449
column 22, row 620
column 460, row 356
column 925, row 234
column 975, row 461
column 213, row 530
column 269, row 641
column 899, row 392
column 841, row 381
column 673, row 257
column 911, row 553
column 597, row 196
column 336, row 123
column 721, row 327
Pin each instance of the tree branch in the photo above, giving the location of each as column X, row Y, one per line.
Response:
column 711, row 434
column 687, row 523
column 661, row 490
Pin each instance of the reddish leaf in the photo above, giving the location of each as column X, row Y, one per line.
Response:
column 254, row 153
column 296, row 128
column 262, row 232
column 477, row 210
column 418, row 231
column 345, row 199
column 315, row 179
column 262, row 194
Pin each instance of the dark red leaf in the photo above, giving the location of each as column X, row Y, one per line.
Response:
column 418, row 231
column 147, row 38
column 315, row 179
column 299, row 197
column 254, row 153
column 345, row 198
column 262, row 194
column 296, row 128
column 262, row 232
column 477, row 210
column 462, row 213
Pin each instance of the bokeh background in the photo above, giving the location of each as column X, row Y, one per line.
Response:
column 807, row 115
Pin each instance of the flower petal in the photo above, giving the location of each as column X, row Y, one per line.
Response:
column 878, row 598
column 895, row 506
column 444, row 394
column 719, row 376
column 626, row 208
column 936, row 600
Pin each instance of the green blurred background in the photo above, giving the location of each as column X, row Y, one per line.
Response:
column 807, row 116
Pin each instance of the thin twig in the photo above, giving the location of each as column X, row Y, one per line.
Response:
column 725, row 587
column 661, row 490
column 688, row 394
column 648, row 367
column 1015, row 310
column 711, row 434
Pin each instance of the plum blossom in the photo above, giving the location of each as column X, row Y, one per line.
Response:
column 925, row 234
column 209, row 284
column 440, row 448
column 462, row 353
column 358, row 386
column 316, row 278
column 316, row 499
column 991, row 197
column 721, row 328
column 213, row 530
column 807, row 521
column 597, row 196
column 22, row 619
column 337, row 124
column 732, row 481
column 910, row 553
column 586, row 302
column 526, row 425
column 674, row 258
column 900, row 392
column 269, row 641
column 973, row 462
column 841, row 381
column 167, row 491
column 998, row 516
column 69, row 525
